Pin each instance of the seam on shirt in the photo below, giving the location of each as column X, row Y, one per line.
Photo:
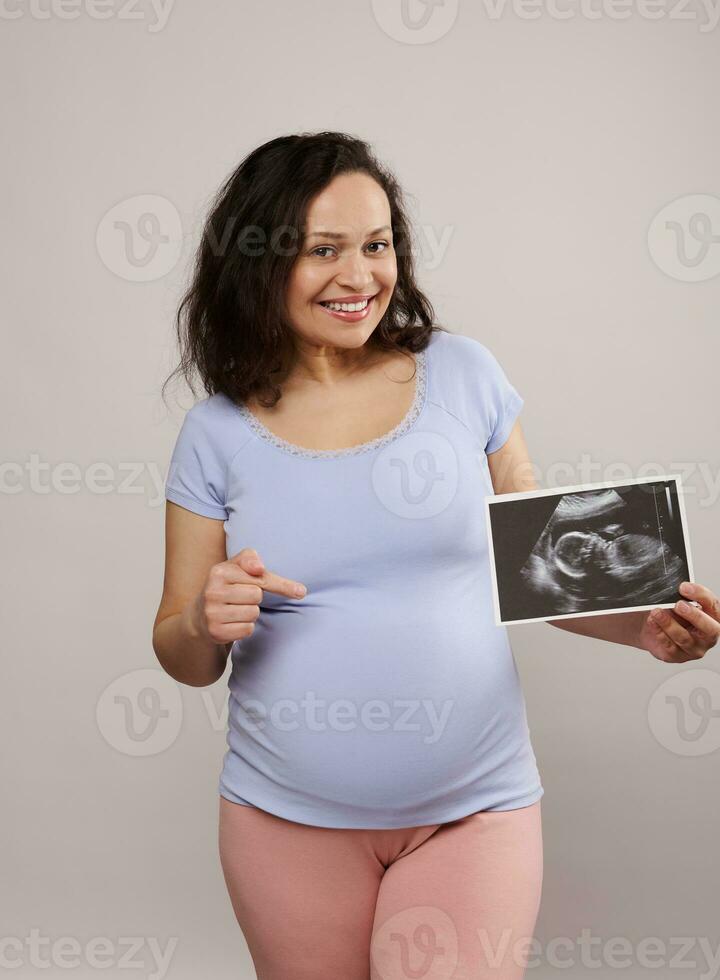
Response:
column 228, row 464
column 462, row 422
column 510, row 412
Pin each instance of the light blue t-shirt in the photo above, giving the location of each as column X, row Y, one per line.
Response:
column 387, row 697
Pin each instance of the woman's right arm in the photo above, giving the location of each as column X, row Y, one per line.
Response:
column 193, row 544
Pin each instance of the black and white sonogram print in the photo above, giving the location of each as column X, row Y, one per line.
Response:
column 591, row 549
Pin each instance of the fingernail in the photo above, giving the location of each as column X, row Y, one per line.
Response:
column 300, row 591
column 686, row 588
column 683, row 607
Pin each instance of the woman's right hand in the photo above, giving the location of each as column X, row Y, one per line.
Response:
column 229, row 603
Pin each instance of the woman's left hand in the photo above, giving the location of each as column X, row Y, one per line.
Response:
column 684, row 632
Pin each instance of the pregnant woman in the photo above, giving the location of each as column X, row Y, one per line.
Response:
column 379, row 801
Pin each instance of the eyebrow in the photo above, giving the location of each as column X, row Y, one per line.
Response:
column 339, row 234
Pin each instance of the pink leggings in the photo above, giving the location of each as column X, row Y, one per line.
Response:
column 451, row 901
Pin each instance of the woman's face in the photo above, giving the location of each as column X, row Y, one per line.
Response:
column 347, row 255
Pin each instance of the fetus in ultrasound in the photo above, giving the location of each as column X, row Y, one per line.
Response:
column 604, row 549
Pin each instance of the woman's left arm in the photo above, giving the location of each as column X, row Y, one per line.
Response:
column 685, row 632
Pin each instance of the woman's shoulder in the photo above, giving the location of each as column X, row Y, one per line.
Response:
column 459, row 344
column 462, row 356
column 213, row 413
column 212, row 425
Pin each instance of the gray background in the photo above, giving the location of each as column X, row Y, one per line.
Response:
column 546, row 148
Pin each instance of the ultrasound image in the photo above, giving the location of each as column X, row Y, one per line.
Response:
column 591, row 550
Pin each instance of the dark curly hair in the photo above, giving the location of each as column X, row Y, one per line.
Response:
column 232, row 323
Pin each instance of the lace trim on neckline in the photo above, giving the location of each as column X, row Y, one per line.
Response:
column 262, row 431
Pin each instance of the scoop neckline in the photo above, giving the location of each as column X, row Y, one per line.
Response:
column 411, row 416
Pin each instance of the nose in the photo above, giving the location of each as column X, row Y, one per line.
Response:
column 355, row 272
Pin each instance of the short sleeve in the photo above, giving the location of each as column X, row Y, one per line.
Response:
column 196, row 474
column 504, row 404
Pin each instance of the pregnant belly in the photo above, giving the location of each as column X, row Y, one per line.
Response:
column 363, row 711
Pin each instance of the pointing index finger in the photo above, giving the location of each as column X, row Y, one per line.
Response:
column 283, row 586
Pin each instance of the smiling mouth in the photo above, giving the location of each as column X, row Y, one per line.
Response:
column 351, row 315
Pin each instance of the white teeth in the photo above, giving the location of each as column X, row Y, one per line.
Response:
column 346, row 307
